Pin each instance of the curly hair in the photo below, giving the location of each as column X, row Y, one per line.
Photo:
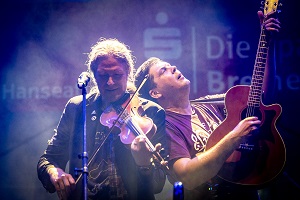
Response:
column 110, row 47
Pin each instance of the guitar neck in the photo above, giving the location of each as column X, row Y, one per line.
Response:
column 258, row 71
column 255, row 92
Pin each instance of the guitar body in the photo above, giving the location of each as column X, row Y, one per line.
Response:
column 262, row 157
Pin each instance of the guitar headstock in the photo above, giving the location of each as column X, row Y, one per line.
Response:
column 271, row 6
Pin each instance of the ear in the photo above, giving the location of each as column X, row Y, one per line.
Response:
column 155, row 94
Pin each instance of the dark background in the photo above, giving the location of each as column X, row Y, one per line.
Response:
column 43, row 46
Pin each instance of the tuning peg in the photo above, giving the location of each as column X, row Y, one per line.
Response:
column 279, row 10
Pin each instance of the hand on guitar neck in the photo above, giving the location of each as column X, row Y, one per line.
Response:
column 269, row 21
column 270, row 25
column 260, row 156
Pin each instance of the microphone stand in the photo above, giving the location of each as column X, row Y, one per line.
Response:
column 83, row 80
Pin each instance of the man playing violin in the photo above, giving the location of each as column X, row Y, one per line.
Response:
column 188, row 127
column 118, row 171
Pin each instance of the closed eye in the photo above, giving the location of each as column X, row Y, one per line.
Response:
column 103, row 76
column 162, row 70
column 114, row 76
column 117, row 76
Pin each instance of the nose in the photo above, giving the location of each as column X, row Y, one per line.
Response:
column 171, row 68
column 110, row 81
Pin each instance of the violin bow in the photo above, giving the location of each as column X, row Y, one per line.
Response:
column 156, row 154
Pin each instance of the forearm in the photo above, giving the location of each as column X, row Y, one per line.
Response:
column 271, row 26
column 194, row 172
column 42, row 171
column 270, row 75
column 53, row 157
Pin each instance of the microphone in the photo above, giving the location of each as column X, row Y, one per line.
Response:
column 83, row 80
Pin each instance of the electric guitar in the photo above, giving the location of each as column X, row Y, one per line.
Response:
column 262, row 157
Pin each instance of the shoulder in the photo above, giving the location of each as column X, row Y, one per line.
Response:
column 214, row 98
column 148, row 104
column 210, row 103
column 76, row 101
column 151, row 108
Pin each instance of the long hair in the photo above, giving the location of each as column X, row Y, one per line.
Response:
column 110, row 47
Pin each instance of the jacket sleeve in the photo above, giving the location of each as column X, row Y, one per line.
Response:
column 57, row 151
column 157, row 114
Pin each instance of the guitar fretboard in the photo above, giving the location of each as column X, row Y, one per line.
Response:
column 258, row 72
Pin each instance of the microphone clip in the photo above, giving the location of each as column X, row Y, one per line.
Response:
column 83, row 80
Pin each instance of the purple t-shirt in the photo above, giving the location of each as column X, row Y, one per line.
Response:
column 189, row 133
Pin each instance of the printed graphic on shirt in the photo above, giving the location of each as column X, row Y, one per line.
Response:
column 201, row 131
column 199, row 137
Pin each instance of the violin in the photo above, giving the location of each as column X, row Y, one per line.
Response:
column 129, row 121
column 127, row 117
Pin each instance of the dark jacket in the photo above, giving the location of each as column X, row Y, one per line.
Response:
column 66, row 145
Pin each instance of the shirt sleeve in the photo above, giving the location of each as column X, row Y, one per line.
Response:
column 178, row 147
